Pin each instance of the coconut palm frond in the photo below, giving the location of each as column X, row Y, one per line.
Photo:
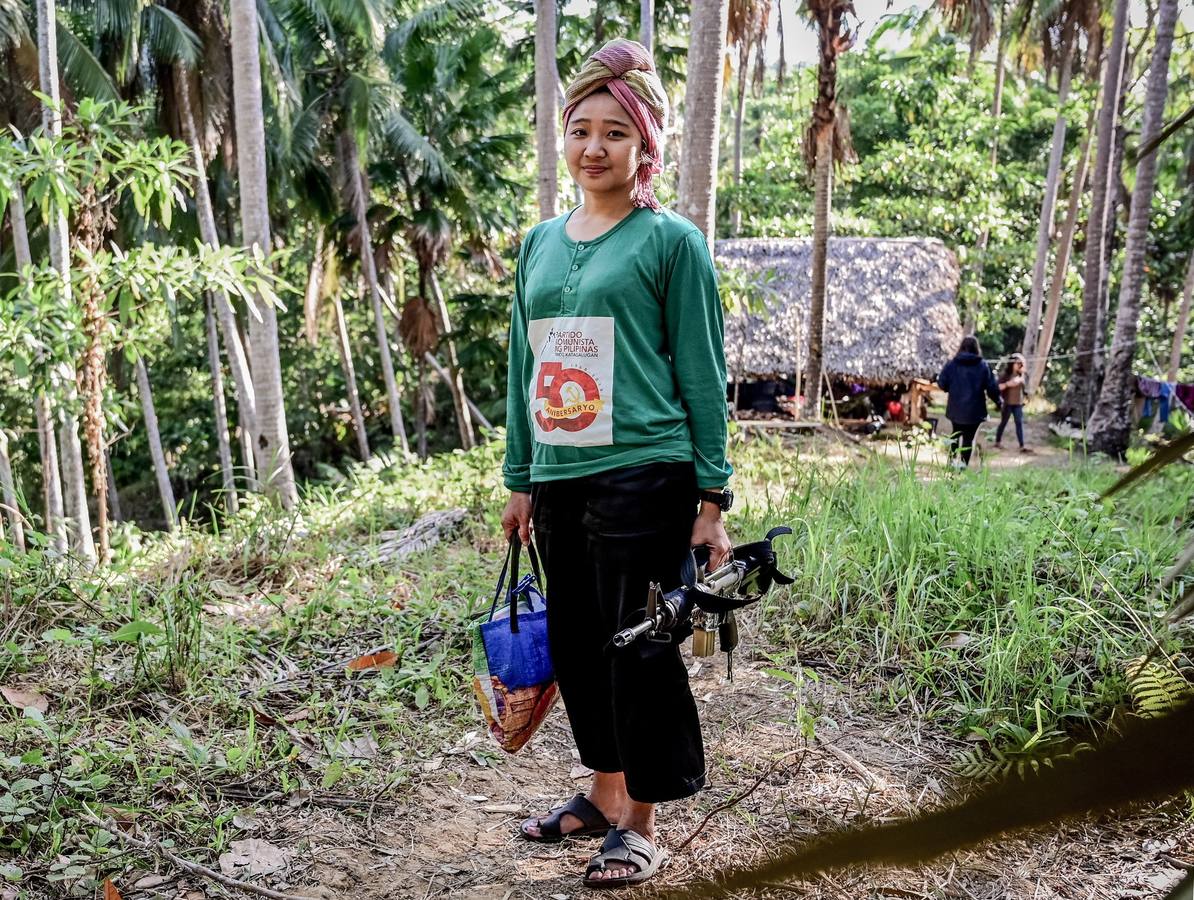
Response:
column 429, row 22
column 81, row 69
column 403, row 137
column 170, row 38
column 14, row 27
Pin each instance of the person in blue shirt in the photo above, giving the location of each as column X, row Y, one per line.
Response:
column 969, row 381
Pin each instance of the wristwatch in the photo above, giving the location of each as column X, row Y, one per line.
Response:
column 723, row 498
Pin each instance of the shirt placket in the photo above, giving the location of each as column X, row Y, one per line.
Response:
column 568, row 295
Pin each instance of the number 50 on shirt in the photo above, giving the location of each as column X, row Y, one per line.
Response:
column 571, row 395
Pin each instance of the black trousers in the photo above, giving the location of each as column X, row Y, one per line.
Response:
column 603, row 539
column 963, row 438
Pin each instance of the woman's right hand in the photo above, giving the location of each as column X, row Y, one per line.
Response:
column 517, row 516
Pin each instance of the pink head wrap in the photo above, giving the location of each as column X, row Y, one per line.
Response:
column 626, row 70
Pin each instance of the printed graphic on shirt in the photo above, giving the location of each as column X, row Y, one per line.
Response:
column 572, row 385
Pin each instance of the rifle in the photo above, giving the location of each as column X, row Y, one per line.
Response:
column 705, row 603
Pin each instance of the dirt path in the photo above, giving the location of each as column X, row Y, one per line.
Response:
column 452, row 834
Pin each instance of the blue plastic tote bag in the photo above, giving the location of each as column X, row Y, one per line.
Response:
column 513, row 676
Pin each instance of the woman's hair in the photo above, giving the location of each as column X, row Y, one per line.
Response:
column 1009, row 367
column 625, row 69
column 970, row 345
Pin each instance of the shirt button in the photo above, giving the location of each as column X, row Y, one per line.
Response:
column 575, row 267
column 568, row 290
column 580, row 246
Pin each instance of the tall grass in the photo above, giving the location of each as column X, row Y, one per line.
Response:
column 986, row 599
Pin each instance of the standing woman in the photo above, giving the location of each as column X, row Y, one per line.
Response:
column 1011, row 387
column 967, row 378
column 616, row 452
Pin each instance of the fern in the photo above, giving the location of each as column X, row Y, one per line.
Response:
column 1156, row 688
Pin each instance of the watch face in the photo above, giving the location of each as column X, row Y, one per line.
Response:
column 727, row 499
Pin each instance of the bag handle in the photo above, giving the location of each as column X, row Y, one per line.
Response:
column 510, row 566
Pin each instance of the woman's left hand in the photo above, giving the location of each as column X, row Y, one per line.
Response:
column 709, row 531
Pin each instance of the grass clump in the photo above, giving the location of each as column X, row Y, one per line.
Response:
column 1004, row 604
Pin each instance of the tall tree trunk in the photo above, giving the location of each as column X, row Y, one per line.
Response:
column 51, row 476
column 223, row 440
column 697, row 195
column 55, row 522
column 1044, row 233
column 421, row 409
column 8, row 492
column 271, row 444
column 1183, row 320
column 161, row 473
column 1110, row 423
column 547, row 79
column 355, row 181
column 1064, row 246
column 248, row 463
column 739, row 115
column 822, row 202
column 456, row 385
column 238, row 364
column 1112, row 240
column 113, row 492
column 350, row 379
column 1080, row 391
column 68, row 437
column 781, row 66
column 970, row 325
column 646, row 24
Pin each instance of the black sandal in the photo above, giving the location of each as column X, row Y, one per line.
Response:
column 629, row 848
column 592, row 821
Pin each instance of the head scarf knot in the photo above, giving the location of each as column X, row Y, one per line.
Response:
column 626, row 70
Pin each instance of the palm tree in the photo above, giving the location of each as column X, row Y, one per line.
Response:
column 826, row 141
column 271, row 443
column 697, row 193
column 1072, row 19
column 1183, row 319
column 1065, row 243
column 153, row 432
column 54, row 517
column 547, row 84
column 746, row 30
column 339, row 47
column 449, row 169
column 646, row 24
column 1079, row 394
column 8, row 494
column 1110, row 423
column 71, row 446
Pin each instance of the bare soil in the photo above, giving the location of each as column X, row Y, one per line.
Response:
column 452, row 831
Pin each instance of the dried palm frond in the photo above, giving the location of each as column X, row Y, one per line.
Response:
column 418, row 327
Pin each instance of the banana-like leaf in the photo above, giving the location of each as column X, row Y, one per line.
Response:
column 1150, row 760
column 1170, row 453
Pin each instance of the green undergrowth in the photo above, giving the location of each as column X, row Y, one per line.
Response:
column 1005, row 605
column 206, row 673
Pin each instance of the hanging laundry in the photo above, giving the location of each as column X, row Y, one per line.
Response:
column 1148, row 387
column 1185, row 395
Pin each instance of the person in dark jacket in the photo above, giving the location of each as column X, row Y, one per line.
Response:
column 969, row 381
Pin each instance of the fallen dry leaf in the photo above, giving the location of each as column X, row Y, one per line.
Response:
column 110, row 892
column 253, row 857
column 383, row 660
column 25, row 698
column 146, row 882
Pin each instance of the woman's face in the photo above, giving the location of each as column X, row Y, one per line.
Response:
column 1019, row 369
column 602, row 146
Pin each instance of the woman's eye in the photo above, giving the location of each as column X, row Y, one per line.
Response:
column 617, row 134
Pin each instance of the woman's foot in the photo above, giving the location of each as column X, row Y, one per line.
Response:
column 606, row 798
column 638, row 818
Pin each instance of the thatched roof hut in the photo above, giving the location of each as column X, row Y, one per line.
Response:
column 890, row 314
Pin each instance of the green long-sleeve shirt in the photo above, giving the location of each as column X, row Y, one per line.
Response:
column 617, row 353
